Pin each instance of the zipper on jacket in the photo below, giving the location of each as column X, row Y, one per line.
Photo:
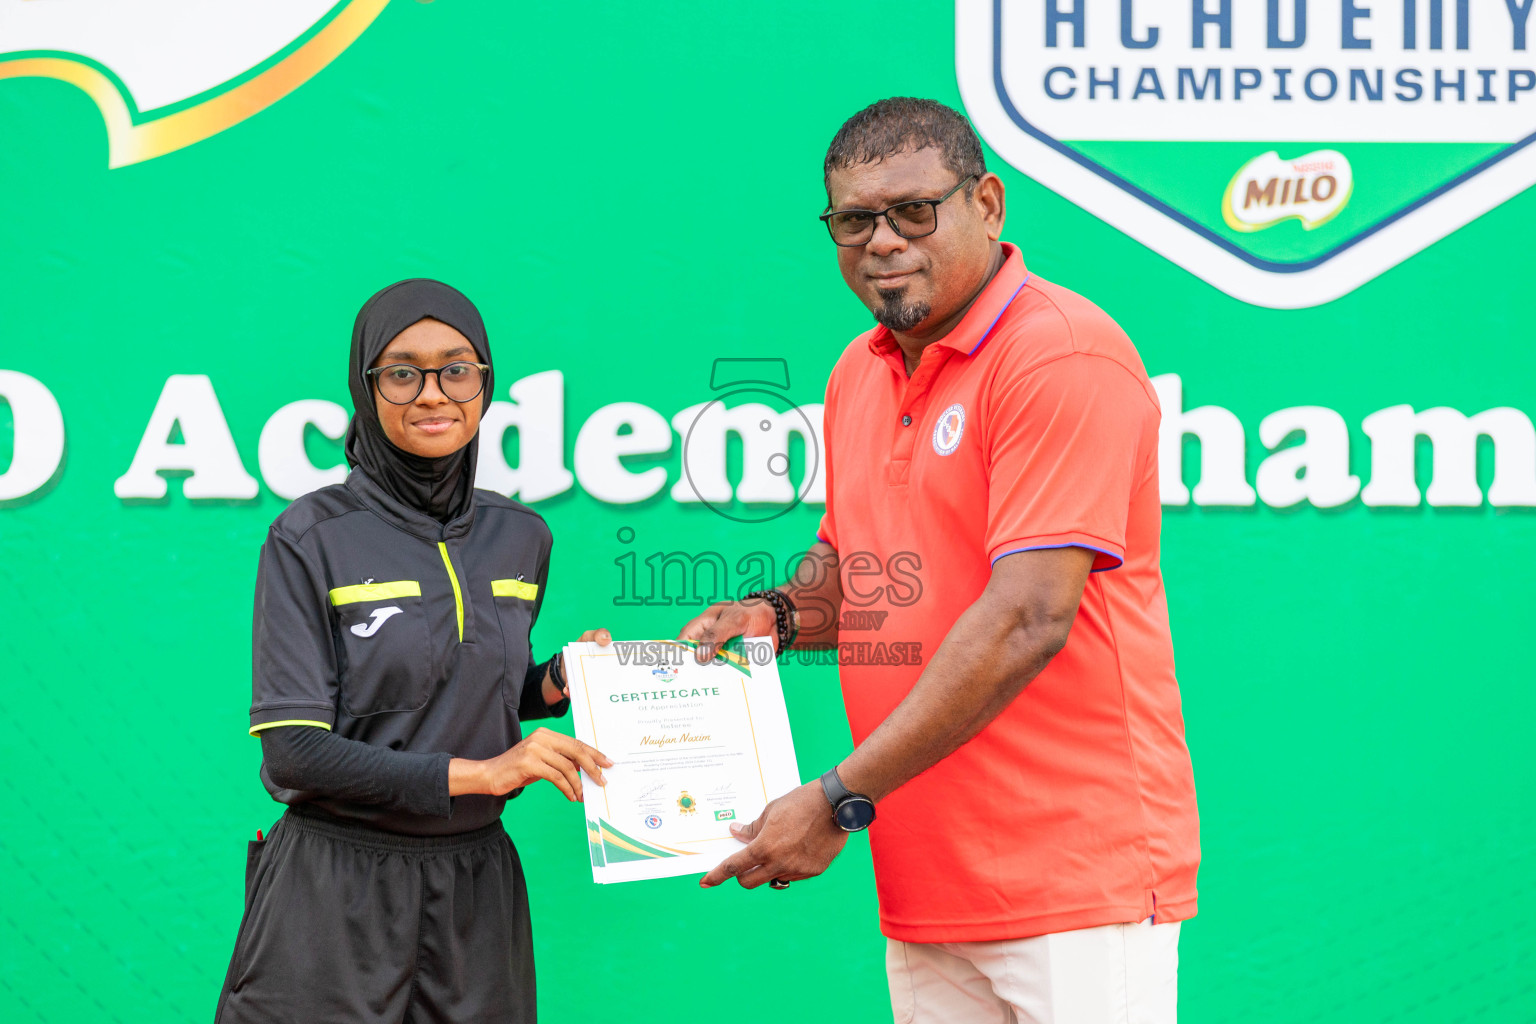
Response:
column 458, row 596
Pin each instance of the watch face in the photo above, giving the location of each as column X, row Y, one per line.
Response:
column 855, row 814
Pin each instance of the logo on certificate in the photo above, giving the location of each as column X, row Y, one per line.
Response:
column 664, row 673
column 724, row 815
column 687, row 805
column 653, row 821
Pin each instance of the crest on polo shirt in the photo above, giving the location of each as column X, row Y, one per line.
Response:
column 947, row 431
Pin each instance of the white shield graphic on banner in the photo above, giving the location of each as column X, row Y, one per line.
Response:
column 1285, row 151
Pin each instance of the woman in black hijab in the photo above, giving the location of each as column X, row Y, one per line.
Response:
column 391, row 674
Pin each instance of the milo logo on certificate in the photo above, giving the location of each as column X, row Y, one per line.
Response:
column 1287, row 152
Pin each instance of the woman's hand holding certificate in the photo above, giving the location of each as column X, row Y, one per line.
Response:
column 695, row 748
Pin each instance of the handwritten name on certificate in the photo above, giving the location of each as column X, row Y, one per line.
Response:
column 696, row 748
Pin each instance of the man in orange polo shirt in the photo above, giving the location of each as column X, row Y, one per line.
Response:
column 991, row 455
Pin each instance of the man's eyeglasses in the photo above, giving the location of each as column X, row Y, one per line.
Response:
column 915, row 218
column 401, row 383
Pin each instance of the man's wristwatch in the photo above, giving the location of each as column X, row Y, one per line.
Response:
column 853, row 812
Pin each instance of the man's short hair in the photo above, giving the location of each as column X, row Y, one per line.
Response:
column 905, row 124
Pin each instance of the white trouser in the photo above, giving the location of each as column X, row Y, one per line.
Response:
column 1114, row 974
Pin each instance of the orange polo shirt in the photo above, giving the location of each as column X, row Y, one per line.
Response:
column 1031, row 425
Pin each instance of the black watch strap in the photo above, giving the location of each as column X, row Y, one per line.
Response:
column 832, row 785
column 853, row 812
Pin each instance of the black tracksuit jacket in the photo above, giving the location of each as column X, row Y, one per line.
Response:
column 376, row 621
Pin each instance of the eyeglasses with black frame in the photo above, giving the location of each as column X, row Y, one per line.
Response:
column 401, row 383
column 915, row 218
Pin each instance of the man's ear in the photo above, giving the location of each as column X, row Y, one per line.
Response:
column 992, row 204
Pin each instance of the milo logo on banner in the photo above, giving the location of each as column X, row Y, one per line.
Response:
column 1286, row 151
column 1312, row 189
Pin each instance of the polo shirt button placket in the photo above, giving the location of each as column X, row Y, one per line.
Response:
column 900, row 464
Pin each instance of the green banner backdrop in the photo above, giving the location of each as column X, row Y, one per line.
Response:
column 195, row 205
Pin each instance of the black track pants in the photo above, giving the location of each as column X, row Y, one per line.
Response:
column 344, row 923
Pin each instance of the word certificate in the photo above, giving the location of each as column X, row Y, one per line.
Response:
column 695, row 748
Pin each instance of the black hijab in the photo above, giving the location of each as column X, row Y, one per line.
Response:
column 443, row 487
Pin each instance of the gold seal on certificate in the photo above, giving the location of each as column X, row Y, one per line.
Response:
column 695, row 748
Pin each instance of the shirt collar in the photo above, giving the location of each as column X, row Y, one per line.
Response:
column 976, row 326
column 405, row 517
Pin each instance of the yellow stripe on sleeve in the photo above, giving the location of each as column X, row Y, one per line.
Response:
column 288, row 721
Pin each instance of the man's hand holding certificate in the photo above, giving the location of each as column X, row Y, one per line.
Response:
column 696, row 748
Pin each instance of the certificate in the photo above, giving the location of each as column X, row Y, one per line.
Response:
column 695, row 748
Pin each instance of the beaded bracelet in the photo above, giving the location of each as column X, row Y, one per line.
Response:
column 783, row 615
